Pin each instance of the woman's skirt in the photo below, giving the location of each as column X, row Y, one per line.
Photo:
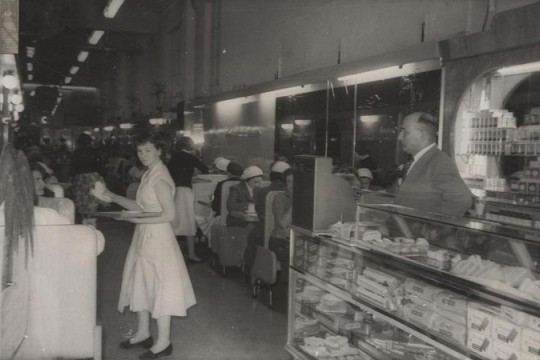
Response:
column 184, row 222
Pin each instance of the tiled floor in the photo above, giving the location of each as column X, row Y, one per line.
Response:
column 226, row 324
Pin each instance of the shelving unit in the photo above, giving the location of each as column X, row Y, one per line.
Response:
column 332, row 270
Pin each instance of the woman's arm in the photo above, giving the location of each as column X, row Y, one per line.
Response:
column 124, row 202
column 165, row 198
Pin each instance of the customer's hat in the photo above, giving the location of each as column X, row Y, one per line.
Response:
column 221, row 163
column 251, row 172
column 280, row 167
column 364, row 172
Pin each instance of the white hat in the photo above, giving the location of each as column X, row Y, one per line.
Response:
column 251, row 172
column 221, row 163
column 364, row 172
column 280, row 167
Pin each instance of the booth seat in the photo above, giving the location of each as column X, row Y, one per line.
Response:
column 62, row 302
column 62, row 205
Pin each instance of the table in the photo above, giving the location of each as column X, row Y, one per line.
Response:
column 245, row 216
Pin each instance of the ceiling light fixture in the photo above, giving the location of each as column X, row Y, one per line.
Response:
column 30, row 77
column 9, row 81
column 95, row 36
column 520, row 69
column 58, row 100
column 67, row 80
column 15, row 99
column 30, row 51
column 83, row 55
column 29, row 66
column 73, row 70
column 112, row 8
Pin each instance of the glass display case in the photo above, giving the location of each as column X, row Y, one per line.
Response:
column 397, row 283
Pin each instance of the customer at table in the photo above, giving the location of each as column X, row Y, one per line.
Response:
column 220, row 165
column 155, row 280
column 282, row 210
column 256, row 235
column 432, row 182
column 242, row 196
column 182, row 167
column 234, row 172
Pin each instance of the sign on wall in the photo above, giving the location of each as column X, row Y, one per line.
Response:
column 9, row 26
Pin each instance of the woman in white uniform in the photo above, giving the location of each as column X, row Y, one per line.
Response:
column 155, row 279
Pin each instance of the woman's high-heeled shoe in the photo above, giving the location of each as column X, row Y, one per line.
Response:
column 146, row 343
column 150, row 355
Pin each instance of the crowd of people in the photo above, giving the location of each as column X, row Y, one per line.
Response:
column 155, row 282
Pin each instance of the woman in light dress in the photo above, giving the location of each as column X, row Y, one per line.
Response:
column 155, row 279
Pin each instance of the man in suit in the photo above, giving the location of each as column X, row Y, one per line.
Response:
column 432, row 182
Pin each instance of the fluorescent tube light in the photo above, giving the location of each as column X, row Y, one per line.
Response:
column 83, row 55
column 73, row 70
column 29, row 66
column 30, row 51
column 520, row 69
column 287, row 127
column 67, row 80
column 302, row 122
column 112, row 8
column 95, row 36
column 391, row 72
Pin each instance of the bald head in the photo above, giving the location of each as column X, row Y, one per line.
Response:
column 418, row 130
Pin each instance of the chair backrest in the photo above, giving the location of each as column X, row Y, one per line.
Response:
column 63, row 206
column 225, row 189
column 269, row 216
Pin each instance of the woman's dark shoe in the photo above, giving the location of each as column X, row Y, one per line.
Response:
column 150, row 355
column 146, row 343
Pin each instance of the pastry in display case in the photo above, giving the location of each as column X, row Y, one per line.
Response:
column 398, row 283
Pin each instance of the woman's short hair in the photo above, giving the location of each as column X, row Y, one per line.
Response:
column 235, row 169
column 34, row 166
column 151, row 137
column 185, row 143
column 84, row 140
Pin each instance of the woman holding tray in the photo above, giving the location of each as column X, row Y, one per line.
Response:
column 155, row 280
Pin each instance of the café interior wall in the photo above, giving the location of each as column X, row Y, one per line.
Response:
column 264, row 40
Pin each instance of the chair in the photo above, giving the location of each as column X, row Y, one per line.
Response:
column 265, row 266
column 218, row 227
column 60, row 307
column 62, row 205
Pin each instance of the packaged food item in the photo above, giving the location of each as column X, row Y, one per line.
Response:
column 449, row 329
column 480, row 318
column 502, row 351
column 420, row 288
column 506, row 332
column 515, row 316
column 447, row 300
column 530, row 342
column 527, row 356
column 479, row 343
column 381, row 277
column 419, row 315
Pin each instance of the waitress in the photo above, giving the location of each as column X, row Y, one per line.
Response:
column 155, row 280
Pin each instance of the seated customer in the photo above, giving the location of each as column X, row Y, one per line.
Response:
column 220, row 165
column 234, row 172
column 256, row 236
column 282, row 210
column 365, row 177
column 242, row 196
